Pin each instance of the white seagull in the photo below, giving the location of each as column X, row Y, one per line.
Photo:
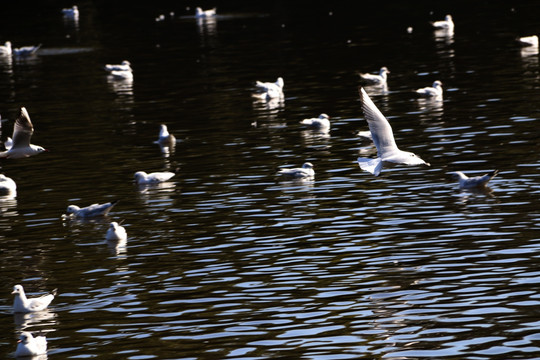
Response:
column 434, row 91
column 22, row 133
column 21, row 304
column 143, row 178
column 383, row 137
column 124, row 66
column 28, row 345
column 200, row 13
column 7, row 186
column 93, row 210
column 306, row 171
column 71, row 13
column 322, row 123
column 268, row 86
column 122, row 74
column 116, row 232
column 377, row 79
column 165, row 138
column 447, row 23
column 26, row 50
column 529, row 40
column 466, row 182
column 6, row 49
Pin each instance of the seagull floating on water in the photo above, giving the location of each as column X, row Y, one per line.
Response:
column 376, row 79
column 383, row 137
column 306, row 171
column 529, row 40
column 116, row 232
column 142, row 178
column 22, row 304
column 71, row 13
column 26, row 50
column 7, row 186
column 322, row 123
column 6, row 49
column 123, row 66
column 271, row 89
column 200, row 13
column 28, row 345
column 466, row 182
column 22, row 133
column 447, row 23
column 434, row 91
column 93, row 210
column 165, row 138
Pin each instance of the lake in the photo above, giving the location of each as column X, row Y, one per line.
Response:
column 227, row 260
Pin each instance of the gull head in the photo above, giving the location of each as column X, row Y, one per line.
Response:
column 25, row 337
column 383, row 70
column 280, row 82
column 17, row 289
column 324, row 116
column 72, row 209
column 307, row 165
column 437, row 84
column 413, row 159
column 448, row 17
column 38, row 149
column 140, row 175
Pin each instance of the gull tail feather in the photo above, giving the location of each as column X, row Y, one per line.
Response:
column 374, row 166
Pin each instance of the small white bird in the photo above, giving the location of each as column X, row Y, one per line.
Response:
column 116, row 232
column 71, row 13
column 466, row 182
column 28, row 345
column 143, row 178
column 377, row 79
column 26, row 51
column 322, row 123
column 22, row 133
column 435, row 91
column 122, row 74
column 21, row 304
column 7, row 186
column 447, row 23
column 6, row 49
column 93, row 210
column 165, row 138
column 200, row 13
column 123, row 66
column 306, row 171
column 266, row 86
column 383, row 137
column 529, row 40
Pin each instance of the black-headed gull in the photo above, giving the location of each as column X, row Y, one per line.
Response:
column 93, row 210
column 123, row 66
column 7, row 186
column 466, row 182
column 432, row 91
column 116, row 232
column 6, row 49
column 165, row 138
column 378, row 79
column 26, row 50
column 447, row 23
column 71, row 13
column 528, row 40
column 306, row 171
column 200, row 13
column 383, row 137
column 22, row 133
column 267, row 86
column 321, row 123
column 28, row 345
column 143, row 178
column 22, row 304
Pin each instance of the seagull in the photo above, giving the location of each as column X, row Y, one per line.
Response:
column 93, row 210
column 165, row 138
column 22, row 133
column 271, row 86
column 435, row 91
column 7, row 185
column 200, row 13
column 71, row 13
column 22, row 304
column 466, row 182
column 376, row 79
column 383, row 137
column 306, row 171
column 529, row 40
column 28, row 345
column 6, row 48
column 447, row 23
column 123, row 66
column 322, row 123
column 122, row 74
column 143, row 178
column 116, row 232
column 26, row 51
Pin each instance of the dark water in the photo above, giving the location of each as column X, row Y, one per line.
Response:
column 227, row 261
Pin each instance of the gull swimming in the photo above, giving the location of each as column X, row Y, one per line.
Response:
column 274, row 87
column 26, row 50
column 383, row 137
column 22, row 133
column 200, row 13
column 71, row 13
column 93, row 210
column 28, row 345
column 466, row 182
column 377, row 79
column 143, row 178
column 529, row 40
column 123, row 66
column 22, row 304
column 321, row 123
column 6, row 48
column 306, row 171
column 165, row 138
column 434, row 91
column 447, row 23
column 116, row 232
column 122, row 74
column 7, row 186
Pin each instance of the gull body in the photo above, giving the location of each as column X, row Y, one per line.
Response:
column 321, row 123
column 200, row 13
column 267, row 86
column 529, row 40
column 122, row 74
column 306, row 171
column 466, row 182
column 377, row 79
column 116, row 232
column 142, row 177
column 165, row 138
column 6, row 48
column 93, row 210
column 383, row 137
column 123, row 66
column 7, row 185
column 22, row 133
column 71, row 13
column 28, row 345
column 22, row 304
column 447, row 23
column 432, row 91
column 26, row 50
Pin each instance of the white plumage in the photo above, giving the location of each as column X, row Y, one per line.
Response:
column 116, row 232
column 22, row 304
column 321, row 123
column 447, row 23
column 22, row 133
column 142, row 177
column 165, row 138
column 529, row 40
column 28, row 345
column 7, row 186
column 306, row 171
column 377, row 79
column 432, row 91
column 93, row 210
column 200, row 13
column 466, row 182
